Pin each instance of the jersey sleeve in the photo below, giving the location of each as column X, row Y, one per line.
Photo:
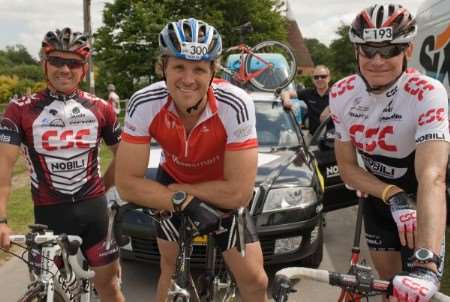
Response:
column 239, row 121
column 10, row 125
column 137, row 119
column 111, row 129
column 432, row 114
column 337, row 115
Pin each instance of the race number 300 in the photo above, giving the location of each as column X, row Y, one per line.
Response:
column 194, row 50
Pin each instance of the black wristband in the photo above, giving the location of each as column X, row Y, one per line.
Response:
column 3, row 221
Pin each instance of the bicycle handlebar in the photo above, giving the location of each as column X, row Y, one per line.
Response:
column 341, row 280
column 69, row 243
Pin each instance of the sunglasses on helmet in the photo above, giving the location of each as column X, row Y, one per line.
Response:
column 60, row 62
column 386, row 52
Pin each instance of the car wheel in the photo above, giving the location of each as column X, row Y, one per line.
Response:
column 315, row 259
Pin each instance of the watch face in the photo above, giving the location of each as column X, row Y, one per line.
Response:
column 178, row 197
column 423, row 254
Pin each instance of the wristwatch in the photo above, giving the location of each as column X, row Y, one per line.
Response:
column 178, row 198
column 423, row 255
column 3, row 221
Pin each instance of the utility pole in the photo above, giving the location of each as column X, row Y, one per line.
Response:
column 88, row 30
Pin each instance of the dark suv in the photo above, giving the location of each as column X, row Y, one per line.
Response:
column 288, row 199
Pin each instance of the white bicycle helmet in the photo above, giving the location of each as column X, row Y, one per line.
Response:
column 65, row 40
column 390, row 23
column 190, row 39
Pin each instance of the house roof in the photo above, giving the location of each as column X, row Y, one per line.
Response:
column 301, row 53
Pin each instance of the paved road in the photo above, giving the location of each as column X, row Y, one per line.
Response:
column 140, row 279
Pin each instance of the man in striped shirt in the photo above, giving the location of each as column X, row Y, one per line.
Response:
column 208, row 136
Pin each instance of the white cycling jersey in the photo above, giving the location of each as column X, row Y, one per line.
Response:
column 385, row 128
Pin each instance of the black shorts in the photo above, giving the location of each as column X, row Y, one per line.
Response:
column 87, row 219
column 382, row 233
column 168, row 228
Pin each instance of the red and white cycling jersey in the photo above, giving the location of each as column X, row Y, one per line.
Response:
column 227, row 123
column 60, row 136
column 385, row 128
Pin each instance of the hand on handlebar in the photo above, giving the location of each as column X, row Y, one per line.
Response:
column 405, row 217
column 5, row 232
column 419, row 286
column 205, row 218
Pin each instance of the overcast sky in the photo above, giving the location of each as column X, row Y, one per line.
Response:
column 26, row 21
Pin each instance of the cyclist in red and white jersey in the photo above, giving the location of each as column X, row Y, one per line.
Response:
column 59, row 130
column 397, row 120
column 208, row 136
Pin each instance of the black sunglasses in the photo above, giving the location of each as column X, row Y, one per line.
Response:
column 60, row 62
column 386, row 52
column 320, row 76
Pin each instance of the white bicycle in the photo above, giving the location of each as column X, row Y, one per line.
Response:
column 58, row 273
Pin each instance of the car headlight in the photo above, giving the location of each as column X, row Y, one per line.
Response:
column 289, row 198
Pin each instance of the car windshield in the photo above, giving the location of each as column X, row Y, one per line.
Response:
column 274, row 126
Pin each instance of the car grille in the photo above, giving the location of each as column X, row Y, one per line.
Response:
column 147, row 250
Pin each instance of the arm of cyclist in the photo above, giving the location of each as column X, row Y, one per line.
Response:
column 108, row 177
column 356, row 177
column 9, row 154
column 431, row 194
column 236, row 189
column 422, row 283
column 130, row 181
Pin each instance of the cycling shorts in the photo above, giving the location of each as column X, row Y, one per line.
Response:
column 168, row 228
column 87, row 219
column 382, row 233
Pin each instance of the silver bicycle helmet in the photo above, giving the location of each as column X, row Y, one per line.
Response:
column 190, row 39
column 390, row 23
column 65, row 40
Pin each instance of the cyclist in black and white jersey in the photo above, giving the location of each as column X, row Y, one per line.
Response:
column 59, row 130
column 398, row 122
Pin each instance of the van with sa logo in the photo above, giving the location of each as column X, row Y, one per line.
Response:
column 432, row 50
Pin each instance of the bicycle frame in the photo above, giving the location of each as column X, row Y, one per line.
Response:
column 241, row 76
column 182, row 279
column 46, row 277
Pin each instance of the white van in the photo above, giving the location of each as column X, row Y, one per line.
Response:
column 432, row 51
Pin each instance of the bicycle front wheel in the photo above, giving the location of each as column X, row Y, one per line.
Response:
column 271, row 65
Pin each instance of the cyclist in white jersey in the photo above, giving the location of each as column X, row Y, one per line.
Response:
column 398, row 122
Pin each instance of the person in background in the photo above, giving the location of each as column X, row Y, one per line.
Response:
column 113, row 98
column 316, row 98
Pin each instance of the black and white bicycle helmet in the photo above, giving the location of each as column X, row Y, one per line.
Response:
column 190, row 39
column 65, row 40
column 389, row 23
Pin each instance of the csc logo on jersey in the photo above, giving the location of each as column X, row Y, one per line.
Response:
column 53, row 139
column 343, row 86
column 434, row 114
column 376, row 137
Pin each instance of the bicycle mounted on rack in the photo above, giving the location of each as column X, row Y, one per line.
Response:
column 54, row 265
column 268, row 66
column 216, row 282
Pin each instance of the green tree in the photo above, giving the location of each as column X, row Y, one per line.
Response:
column 18, row 54
column 342, row 54
column 127, row 45
column 320, row 53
